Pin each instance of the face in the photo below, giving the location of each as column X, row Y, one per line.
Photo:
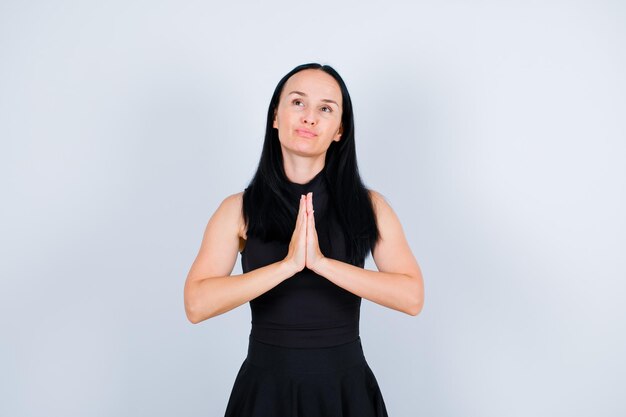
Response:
column 308, row 116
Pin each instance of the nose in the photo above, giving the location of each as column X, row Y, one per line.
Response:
column 308, row 117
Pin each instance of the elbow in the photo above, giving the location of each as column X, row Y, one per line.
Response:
column 417, row 301
column 198, row 309
column 192, row 310
column 197, row 313
column 415, row 309
column 195, row 316
column 191, row 314
column 192, row 319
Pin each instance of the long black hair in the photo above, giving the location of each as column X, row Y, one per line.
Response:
column 267, row 208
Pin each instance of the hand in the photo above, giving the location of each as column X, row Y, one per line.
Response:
column 313, row 252
column 296, row 256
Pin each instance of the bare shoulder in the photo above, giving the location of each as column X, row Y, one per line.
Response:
column 233, row 200
column 386, row 218
column 232, row 205
column 379, row 202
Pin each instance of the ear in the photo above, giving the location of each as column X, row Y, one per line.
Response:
column 338, row 135
column 275, row 125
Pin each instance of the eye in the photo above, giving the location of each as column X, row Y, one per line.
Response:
column 328, row 109
column 296, row 101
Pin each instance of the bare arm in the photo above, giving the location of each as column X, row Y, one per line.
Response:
column 210, row 290
column 398, row 284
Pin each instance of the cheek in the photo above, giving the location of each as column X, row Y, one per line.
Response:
column 281, row 116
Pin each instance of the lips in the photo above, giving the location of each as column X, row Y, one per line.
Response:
column 305, row 133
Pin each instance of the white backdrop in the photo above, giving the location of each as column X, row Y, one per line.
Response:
column 496, row 130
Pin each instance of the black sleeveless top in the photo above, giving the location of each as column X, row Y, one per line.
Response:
column 305, row 310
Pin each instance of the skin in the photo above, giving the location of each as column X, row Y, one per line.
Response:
column 303, row 105
column 211, row 290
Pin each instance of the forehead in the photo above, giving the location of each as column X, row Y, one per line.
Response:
column 314, row 83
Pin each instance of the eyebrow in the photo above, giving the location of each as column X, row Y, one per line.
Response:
column 325, row 100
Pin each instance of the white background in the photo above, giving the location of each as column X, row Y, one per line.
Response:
column 496, row 130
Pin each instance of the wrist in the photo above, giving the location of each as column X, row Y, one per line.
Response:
column 320, row 265
column 288, row 267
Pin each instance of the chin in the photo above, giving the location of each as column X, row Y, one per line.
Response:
column 303, row 150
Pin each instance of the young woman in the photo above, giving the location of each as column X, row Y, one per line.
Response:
column 304, row 226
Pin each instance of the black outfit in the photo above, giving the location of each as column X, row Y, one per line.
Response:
column 305, row 357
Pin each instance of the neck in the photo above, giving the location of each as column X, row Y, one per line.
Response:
column 304, row 170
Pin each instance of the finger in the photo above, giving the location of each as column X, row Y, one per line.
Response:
column 303, row 211
column 299, row 215
column 302, row 205
column 309, row 202
column 311, row 221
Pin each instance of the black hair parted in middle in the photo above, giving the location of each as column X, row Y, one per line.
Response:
column 268, row 212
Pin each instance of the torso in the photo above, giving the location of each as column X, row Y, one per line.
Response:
column 306, row 310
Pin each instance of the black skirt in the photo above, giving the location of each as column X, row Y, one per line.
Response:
column 276, row 381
